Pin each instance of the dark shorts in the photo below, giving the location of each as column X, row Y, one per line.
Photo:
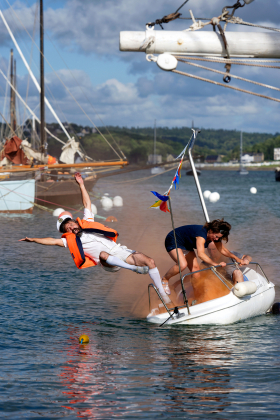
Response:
column 170, row 243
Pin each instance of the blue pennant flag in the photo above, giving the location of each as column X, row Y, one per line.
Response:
column 161, row 197
column 176, row 180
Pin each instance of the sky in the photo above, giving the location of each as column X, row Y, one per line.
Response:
column 90, row 81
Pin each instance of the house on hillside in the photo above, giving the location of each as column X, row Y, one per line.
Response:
column 154, row 159
column 258, row 157
column 213, row 159
column 277, row 153
column 253, row 158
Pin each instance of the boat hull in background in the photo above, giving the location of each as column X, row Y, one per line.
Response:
column 17, row 196
column 62, row 192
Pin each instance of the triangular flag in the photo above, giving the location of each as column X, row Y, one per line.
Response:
column 164, row 207
column 161, row 197
column 157, row 203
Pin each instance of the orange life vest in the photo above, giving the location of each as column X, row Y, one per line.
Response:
column 75, row 244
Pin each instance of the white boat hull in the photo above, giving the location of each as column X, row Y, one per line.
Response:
column 17, row 196
column 227, row 309
column 157, row 170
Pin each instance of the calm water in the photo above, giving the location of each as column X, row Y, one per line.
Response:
column 131, row 369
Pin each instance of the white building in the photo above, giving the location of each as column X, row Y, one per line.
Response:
column 154, row 159
column 277, row 153
column 247, row 158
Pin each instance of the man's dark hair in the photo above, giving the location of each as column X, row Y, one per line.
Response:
column 62, row 226
column 219, row 226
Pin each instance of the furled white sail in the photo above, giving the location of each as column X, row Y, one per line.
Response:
column 69, row 150
column 31, row 153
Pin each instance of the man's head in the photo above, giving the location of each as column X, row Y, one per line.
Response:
column 218, row 230
column 66, row 224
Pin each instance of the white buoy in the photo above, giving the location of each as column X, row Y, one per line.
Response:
column 107, row 203
column 206, row 194
column 118, row 201
column 253, row 190
column 214, row 197
column 57, row 212
column 93, row 209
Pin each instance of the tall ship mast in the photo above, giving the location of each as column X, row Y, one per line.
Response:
column 54, row 179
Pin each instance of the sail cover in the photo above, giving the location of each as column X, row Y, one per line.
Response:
column 13, row 152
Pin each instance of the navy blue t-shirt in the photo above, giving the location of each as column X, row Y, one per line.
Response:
column 186, row 237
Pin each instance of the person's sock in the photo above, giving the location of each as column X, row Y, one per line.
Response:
column 155, row 276
column 120, row 263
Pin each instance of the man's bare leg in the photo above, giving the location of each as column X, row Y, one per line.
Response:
column 132, row 264
column 188, row 260
column 137, row 259
column 237, row 277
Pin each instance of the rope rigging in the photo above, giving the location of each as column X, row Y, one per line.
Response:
column 226, row 17
column 121, row 155
column 167, row 18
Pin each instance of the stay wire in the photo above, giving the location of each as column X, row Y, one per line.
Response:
column 203, row 79
column 231, row 75
column 181, row 6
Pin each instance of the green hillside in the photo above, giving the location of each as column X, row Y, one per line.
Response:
column 137, row 143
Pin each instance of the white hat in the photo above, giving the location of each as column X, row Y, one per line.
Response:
column 61, row 219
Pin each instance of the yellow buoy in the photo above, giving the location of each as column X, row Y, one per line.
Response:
column 83, row 339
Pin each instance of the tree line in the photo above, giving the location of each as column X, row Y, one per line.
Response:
column 137, row 143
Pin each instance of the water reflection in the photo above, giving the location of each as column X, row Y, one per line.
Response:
column 180, row 370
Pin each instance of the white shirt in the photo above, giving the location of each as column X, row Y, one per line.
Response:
column 93, row 244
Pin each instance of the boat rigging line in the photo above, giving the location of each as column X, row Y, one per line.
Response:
column 203, row 79
column 66, row 88
column 167, row 18
column 225, row 74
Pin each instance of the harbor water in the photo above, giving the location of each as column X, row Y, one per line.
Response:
column 132, row 369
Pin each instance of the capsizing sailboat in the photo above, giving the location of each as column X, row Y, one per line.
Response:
column 208, row 296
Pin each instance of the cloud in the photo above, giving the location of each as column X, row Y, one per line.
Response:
column 92, row 29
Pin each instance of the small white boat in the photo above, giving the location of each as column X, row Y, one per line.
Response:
column 242, row 169
column 17, row 196
column 157, row 170
column 226, row 309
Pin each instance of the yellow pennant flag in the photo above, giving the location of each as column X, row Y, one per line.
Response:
column 157, row 204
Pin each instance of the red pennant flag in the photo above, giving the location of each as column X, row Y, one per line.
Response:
column 164, row 207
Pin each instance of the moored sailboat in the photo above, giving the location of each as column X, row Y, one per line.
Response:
column 242, row 169
column 54, row 181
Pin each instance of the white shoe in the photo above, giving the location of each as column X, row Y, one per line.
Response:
column 142, row 270
column 166, row 299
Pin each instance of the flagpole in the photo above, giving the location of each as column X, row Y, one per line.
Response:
column 195, row 132
column 182, row 284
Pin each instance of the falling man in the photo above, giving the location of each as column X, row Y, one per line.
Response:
column 91, row 243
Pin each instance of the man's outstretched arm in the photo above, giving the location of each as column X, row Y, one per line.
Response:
column 44, row 241
column 85, row 196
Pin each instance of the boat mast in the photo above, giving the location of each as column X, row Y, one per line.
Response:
column 155, row 142
column 195, row 133
column 13, row 121
column 32, row 75
column 240, row 149
column 42, row 84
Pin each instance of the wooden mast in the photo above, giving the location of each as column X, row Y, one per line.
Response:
column 42, row 83
column 13, row 121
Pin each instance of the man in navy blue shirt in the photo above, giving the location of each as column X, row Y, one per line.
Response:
column 191, row 237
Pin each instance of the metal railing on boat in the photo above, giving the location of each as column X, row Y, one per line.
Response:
column 213, row 269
